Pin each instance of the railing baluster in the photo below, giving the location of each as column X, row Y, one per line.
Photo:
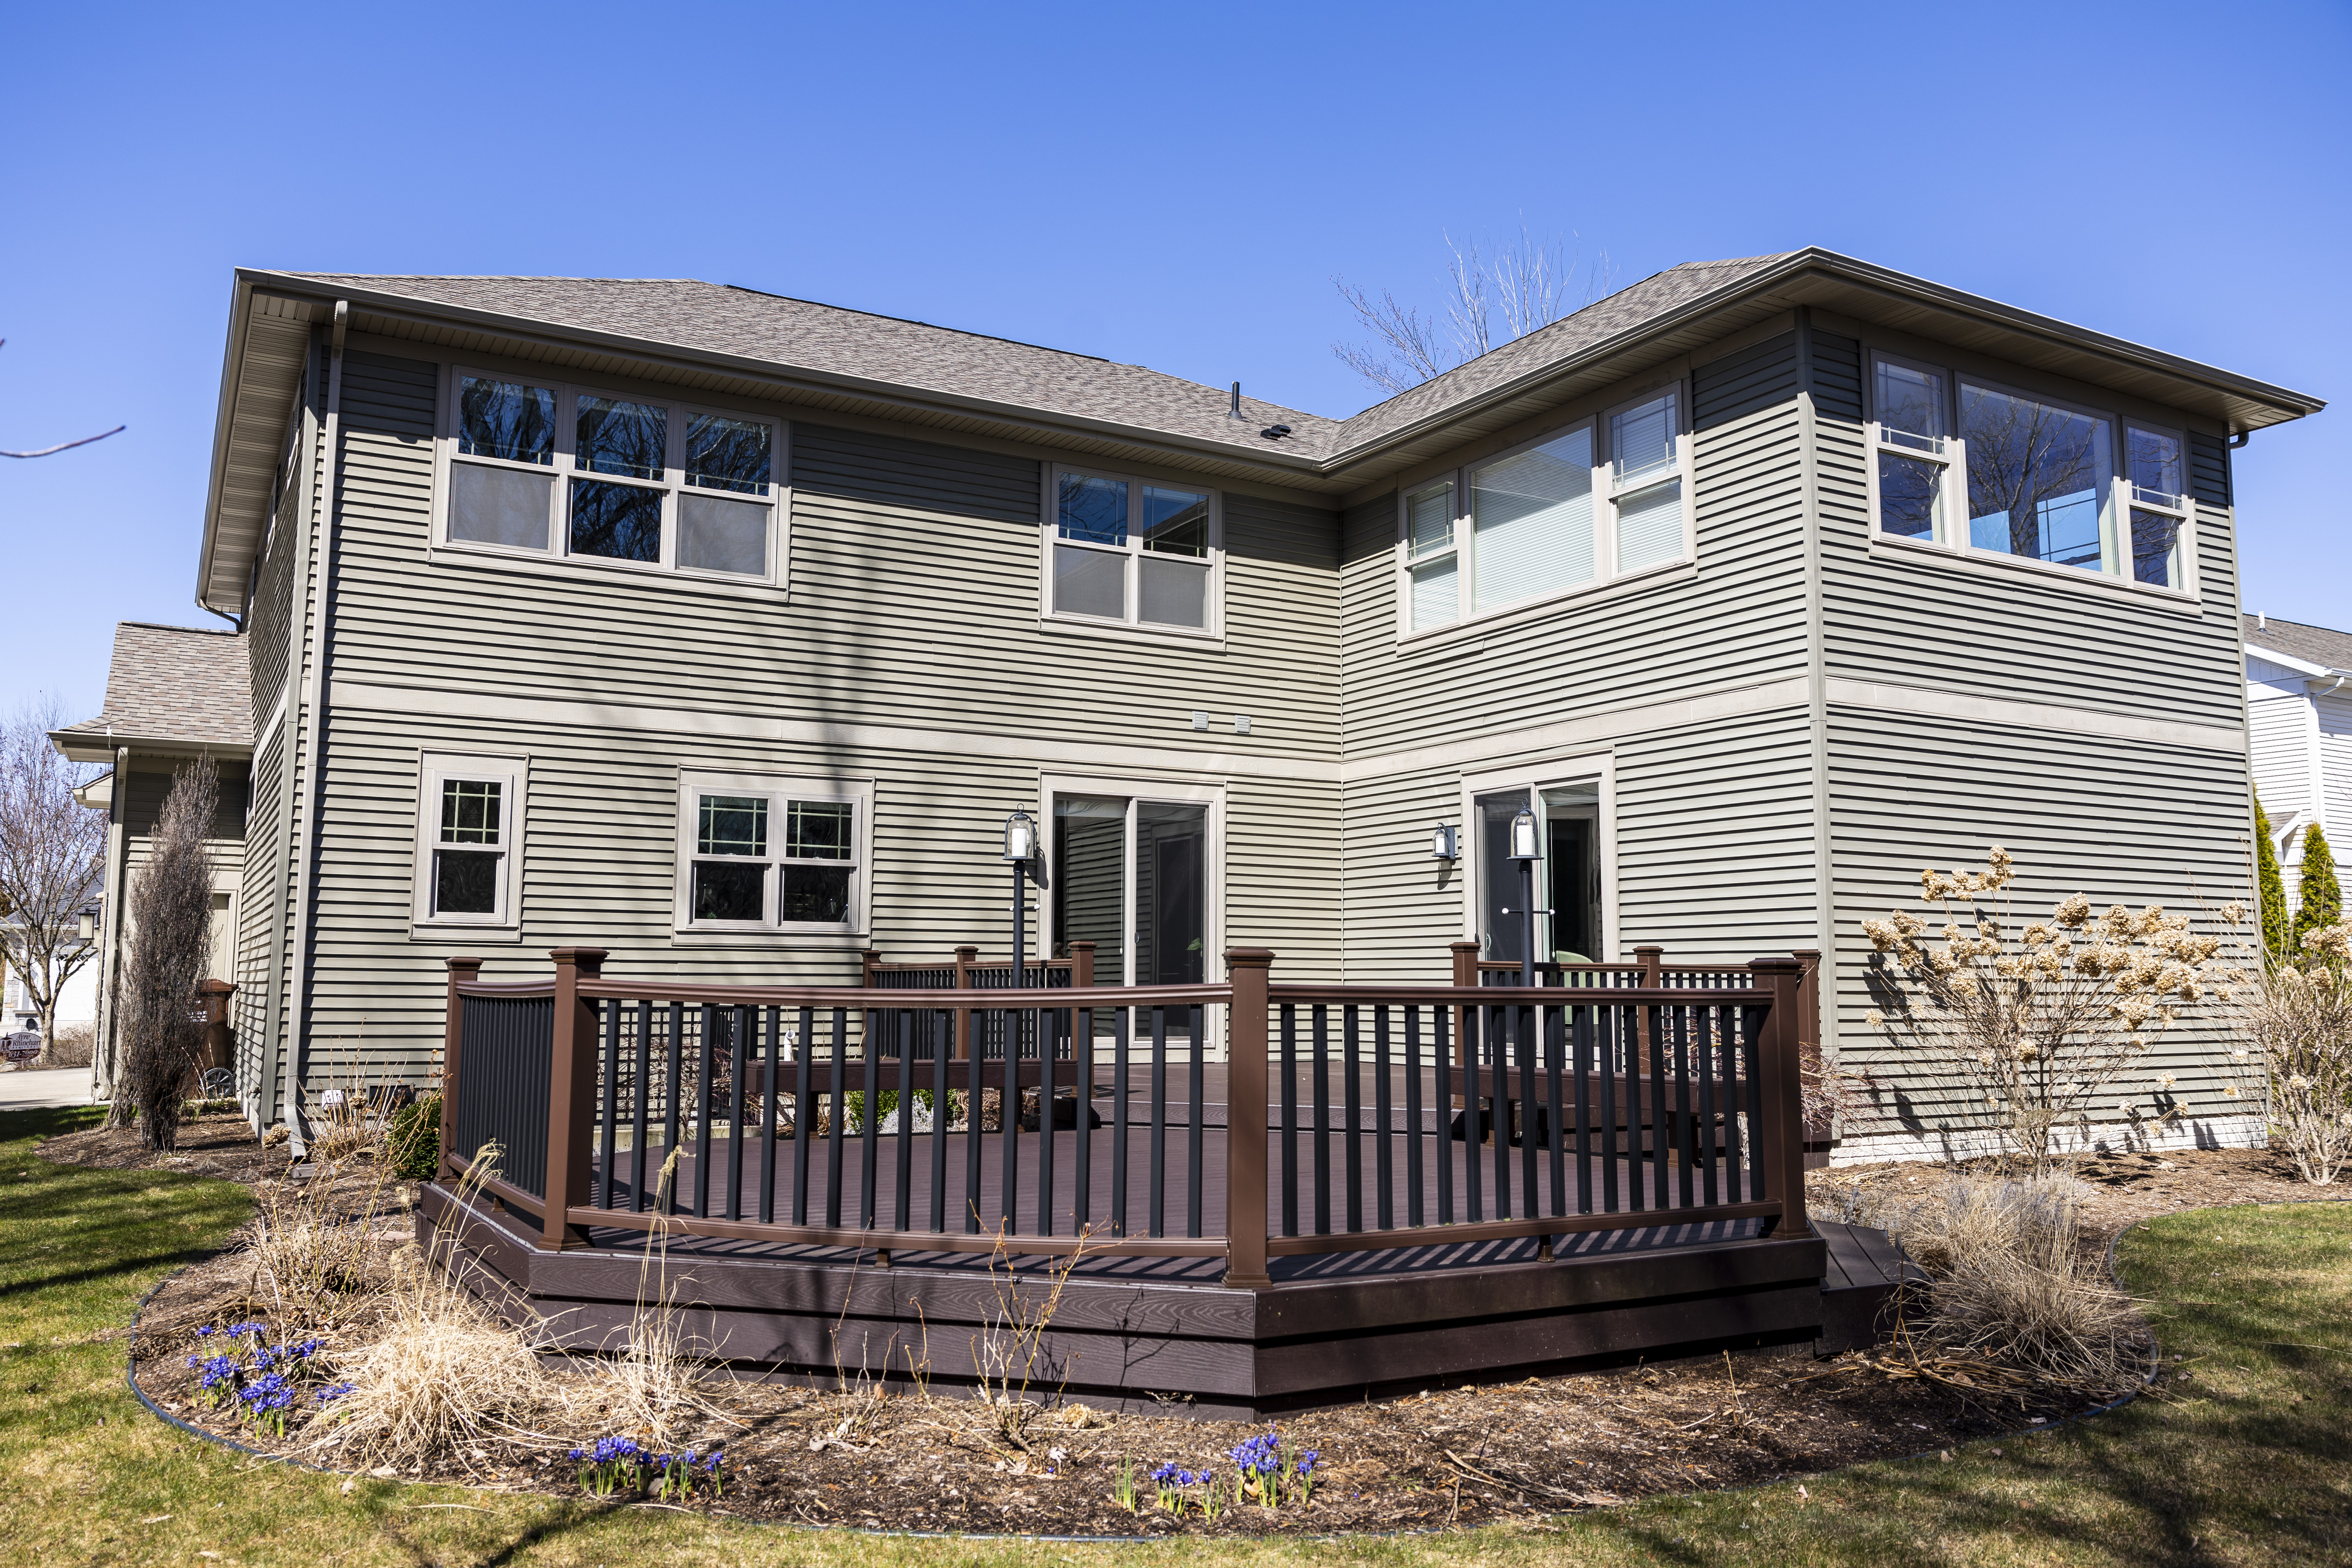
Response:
column 773, row 1044
column 940, row 1031
column 1322, row 1130
column 1499, row 1065
column 839, row 1108
column 703, row 1073
column 1662, row 1131
column 1580, row 1045
column 639, row 1133
column 609, row 1161
column 1534, row 1125
column 1473, row 1030
column 1442, row 1054
column 1619, row 1095
column 1195, row 1024
column 804, row 1113
column 1351, row 1102
column 739, row 1065
column 1413, row 1108
column 1384, row 1206
column 875, row 1034
column 1047, row 1043
column 1159, row 1216
column 1082, row 1148
column 1121, row 1021
column 1289, row 1120
column 1555, row 1109
column 1008, row 1123
column 1710, row 1135
column 975, row 1033
column 673, row 1105
column 903, row 1031
column 1752, row 1054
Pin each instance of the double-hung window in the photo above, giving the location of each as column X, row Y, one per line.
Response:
column 1979, row 468
column 1602, row 498
column 1137, row 551
column 758, row 853
column 573, row 472
column 469, row 839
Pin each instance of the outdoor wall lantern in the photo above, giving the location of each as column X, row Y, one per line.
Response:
column 1443, row 842
column 89, row 925
column 1020, row 838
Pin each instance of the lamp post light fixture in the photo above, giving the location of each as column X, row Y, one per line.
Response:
column 1444, row 843
column 89, row 925
column 1527, row 848
column 1021, row 849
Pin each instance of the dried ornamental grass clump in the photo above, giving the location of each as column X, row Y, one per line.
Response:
column 2040, row 1020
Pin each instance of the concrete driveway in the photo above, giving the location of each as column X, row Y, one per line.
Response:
column 60, row 1085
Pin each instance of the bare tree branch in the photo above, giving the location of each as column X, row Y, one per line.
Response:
column 171, row 938
column 62, row 446
column 51, row 866
column 1492, row 297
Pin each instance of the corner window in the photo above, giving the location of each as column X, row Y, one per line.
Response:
column 762, row 853
column 572, row 472
column 468, row 833
column 2005, row 472
column 1597, row 500
column 1132, row 550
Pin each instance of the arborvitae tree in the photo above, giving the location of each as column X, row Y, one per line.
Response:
column 2323, row 903
column 2277, row 924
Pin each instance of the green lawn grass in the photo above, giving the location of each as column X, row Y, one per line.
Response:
column 2248, row 1461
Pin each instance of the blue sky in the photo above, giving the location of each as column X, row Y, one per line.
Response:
column 1171, row 186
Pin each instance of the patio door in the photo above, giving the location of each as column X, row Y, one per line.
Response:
column 1130, row 874
column 1567, row 880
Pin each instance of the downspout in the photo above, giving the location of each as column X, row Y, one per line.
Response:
column 103, row 1060
column 306, row 859
column 1817, row 705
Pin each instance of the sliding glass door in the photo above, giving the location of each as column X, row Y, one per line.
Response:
column 1130, row 874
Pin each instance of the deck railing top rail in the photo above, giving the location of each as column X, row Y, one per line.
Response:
column 1098, row 1117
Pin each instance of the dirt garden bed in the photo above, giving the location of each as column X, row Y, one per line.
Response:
column 1451, row 1455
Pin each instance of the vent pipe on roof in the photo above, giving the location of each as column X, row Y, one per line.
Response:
column 2261, row 621
column 1236, row 411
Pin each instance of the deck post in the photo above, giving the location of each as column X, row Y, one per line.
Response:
column 1248, row 968
column 462, row 971
column 1465, row 973
column 966, row 956
column 1784, row 1097
column 1082, row 964
column 571, row 1094
column 1651, row 958
column 1809, row 1038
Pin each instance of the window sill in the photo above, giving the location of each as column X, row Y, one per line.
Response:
column 822, row 938
column 451, row 930
column 541, row 564
column 1985, row 563
column 1514, row 615
column 1123, row 631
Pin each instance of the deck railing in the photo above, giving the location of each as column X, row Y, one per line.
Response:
column 1338, row 1119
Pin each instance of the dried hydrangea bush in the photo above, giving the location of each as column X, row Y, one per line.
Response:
column 2298, row 1031
column 2038, row 1022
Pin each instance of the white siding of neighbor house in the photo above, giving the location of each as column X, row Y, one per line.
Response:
column 911, row 607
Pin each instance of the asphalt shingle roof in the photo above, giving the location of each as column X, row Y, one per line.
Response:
column 719, row 319
column 176, row 683
column 2317, row 645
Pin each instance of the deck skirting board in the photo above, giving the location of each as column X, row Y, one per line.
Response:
column 1138, row 1336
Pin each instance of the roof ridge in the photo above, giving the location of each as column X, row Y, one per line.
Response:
column 167, row 626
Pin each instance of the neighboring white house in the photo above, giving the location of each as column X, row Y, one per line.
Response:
column 2299, row 705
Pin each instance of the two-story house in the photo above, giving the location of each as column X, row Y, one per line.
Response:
column 723, row 630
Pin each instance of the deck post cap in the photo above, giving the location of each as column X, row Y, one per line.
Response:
column 1775, row 965
column 1249, row 957
column 589, row 958
column 464, row 965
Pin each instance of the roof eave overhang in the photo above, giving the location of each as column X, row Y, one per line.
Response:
column 232, row 367
column 83, row 746
column 2300, row 666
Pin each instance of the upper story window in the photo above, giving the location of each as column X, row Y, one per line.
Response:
column 1965, row 463
column 1603, row 497
column 557, row 470
column 1136, row 552
column 762, row 853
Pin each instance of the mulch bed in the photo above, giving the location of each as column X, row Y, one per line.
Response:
column 216, row 1143
column 1450, row 1456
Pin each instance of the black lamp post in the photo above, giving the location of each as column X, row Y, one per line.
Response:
column 1527, row 848
column 1021, row 848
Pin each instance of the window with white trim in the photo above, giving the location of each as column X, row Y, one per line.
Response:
column 555, row 470
column 1599, row 499
column 1133, row 552
column 759, row 853
column 1962, row 461
column 469, row 840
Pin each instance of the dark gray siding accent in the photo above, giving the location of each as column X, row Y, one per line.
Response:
column 1837, row 376
column 2208, row 470
column 1742, row 383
